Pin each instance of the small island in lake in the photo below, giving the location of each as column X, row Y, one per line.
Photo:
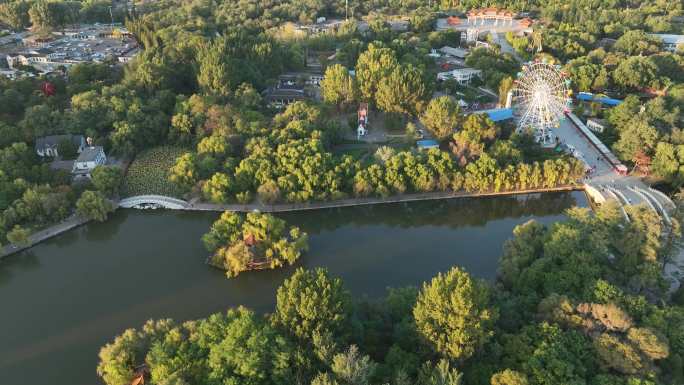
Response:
column 254, row 241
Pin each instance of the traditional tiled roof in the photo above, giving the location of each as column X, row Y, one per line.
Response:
column 89, row 154
column 453, row 20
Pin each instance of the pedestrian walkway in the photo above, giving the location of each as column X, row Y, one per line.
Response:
column 39, row 236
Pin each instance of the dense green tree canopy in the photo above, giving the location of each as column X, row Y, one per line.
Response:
column 442, row 116
column 312, row 302
column 93, row 205
column 453, row 314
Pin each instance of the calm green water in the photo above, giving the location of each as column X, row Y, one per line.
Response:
column 65, row 298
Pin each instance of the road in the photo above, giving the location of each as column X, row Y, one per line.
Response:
column 505, row 47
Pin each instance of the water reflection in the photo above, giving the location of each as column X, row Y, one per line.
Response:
column 102, row 233
column 451, row 213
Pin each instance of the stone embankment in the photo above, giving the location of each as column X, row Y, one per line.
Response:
column 68, row 224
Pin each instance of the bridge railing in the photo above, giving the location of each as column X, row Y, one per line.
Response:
column 165, row 201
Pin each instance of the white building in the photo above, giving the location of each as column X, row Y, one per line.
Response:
column 462, row 75
column 670, row 42
column 128, row 56
column 88, row 159
column 454, row 52
column 49, row 145
column 314, row 80
column 596, row 125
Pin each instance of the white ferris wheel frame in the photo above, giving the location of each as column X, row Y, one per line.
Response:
column 540, row 97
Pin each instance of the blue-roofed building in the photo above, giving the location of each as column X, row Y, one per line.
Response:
column 498, row 114
column 589, row 97
column 585, row 96
column 427, row 144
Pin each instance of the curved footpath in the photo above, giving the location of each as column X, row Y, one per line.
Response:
column 75, row 221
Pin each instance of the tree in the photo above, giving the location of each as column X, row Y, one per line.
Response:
column 18, row 236
column 453, row 314
column 440, row 374
column 215, row 145
column 521, row 251
column 93, row 205
column 469, row 142
column 505, row 86
column 495, row 66
column 549, row 355
column 373, row 66
column 311, row 302
column 668, row 163
column 40, row 120
column 15, row 14
column 67, row 149
column 618, row 355
column 241, row 243
column 107, row 179
column 338, row 87
column 635, row 72
column 251, row 351
column 47, row 15
column 442, row 116
column 586, row 75
column 216, row 70
column 509, row 377
column 184, row 173
column 636, row 137
column 637, row 43
column 217, row 188
column 649, row 342
column 403, row 90
column 351, row 368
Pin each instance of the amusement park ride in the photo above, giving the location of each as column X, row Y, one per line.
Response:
column 540, row 98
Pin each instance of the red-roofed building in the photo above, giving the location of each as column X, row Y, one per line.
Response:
column 491, row 13
column 453, row 20
column 526, row 22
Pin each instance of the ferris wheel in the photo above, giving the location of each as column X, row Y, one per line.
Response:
column 540, row 99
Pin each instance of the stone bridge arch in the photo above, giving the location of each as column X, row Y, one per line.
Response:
column 141, row 201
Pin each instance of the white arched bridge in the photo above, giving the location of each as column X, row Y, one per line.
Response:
column 153, row 201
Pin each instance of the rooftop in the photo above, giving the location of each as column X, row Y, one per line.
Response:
column 89, row 154
column 427, row 143
column 670, row 38
column 54, row 140
column 498, row 114
column 589, row 97
column 456, row 52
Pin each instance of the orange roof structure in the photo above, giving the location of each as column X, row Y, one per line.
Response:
column 138, row 379
column 526, row 22
column 453, row 20
column 491, row 11
column 250, row 240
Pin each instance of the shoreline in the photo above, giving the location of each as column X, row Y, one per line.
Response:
column 68, row 224
column 351, row 202
column 74, row 221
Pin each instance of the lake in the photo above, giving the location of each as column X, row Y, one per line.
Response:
column 65, row 298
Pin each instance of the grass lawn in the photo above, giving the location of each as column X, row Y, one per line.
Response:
column 148, row 174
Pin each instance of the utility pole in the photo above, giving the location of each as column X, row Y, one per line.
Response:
column 111, row 16
column 346, row 10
